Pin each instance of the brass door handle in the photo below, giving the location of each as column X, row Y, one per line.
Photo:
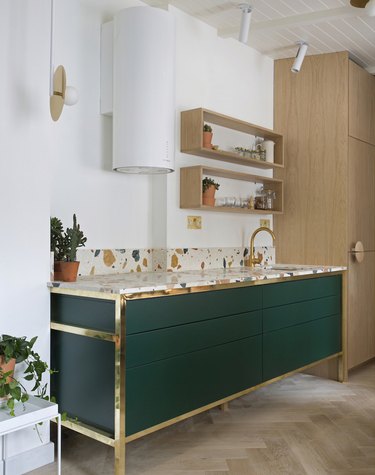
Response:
column 357, row 251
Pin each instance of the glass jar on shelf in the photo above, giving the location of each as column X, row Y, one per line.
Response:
column 270, row 196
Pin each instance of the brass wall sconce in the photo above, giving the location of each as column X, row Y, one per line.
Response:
column 60, row 93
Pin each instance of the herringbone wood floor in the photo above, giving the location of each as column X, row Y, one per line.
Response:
column 302, row 425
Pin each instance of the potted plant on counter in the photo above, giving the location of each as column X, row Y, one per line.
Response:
column 209, row 187
column 64, row 245
column 207, row 136
column 15, row 350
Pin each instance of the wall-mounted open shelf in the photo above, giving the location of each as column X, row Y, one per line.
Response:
column 191, row 189
column 192, row 122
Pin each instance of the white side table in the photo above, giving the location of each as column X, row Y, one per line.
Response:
column 32, row 412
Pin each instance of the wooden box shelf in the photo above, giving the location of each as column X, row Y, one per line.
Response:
column 192, row 122
column 191, row 189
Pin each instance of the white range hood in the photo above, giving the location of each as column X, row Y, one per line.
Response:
column 138, row 88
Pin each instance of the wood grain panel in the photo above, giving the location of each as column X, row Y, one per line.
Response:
column 361, row 204
column 311, row 110
column 361, row 322
column 361, row 104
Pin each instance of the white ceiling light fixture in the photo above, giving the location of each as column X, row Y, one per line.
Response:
column 301, row 53
column 60, row 94
column 245, row 22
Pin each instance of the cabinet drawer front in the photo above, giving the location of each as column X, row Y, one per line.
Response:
column 301, row 312
column 85, row 312
column 84, row 382
column 290, row 292
column 151, row 314
column 147, row 347
column 166, row 389
column 293, row 347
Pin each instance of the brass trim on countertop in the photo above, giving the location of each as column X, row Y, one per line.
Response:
column 94, row 294
column 224, row 286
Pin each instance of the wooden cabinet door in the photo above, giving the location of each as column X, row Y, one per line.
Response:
column 361, row 203
column 361, row 282
column 361, row 310
column 361, row 104
column 311, row 111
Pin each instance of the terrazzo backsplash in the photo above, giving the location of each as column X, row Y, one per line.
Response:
column 116, row 261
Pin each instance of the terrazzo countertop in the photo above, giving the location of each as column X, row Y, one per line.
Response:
column 140, row 282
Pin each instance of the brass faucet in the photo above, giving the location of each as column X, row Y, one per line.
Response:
column 257, row 260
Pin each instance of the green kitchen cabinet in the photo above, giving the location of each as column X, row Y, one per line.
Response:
column 185, row 352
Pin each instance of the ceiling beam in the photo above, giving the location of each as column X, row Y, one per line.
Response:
column 299, row 20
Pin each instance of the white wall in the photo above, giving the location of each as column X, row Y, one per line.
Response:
column 112, row 208
column 225, row 76
column 117, row 210
column 25, row 156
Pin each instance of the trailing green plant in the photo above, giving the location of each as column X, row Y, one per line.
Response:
column 207, row 182
column 64, row 244
column 21, row 349
column 207, row 128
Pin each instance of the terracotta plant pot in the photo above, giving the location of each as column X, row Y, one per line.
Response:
column 207, row 139
column 66, row 271
column 5, row 367
column 208, row 196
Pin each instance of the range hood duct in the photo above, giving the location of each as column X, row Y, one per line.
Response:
column 141, row 41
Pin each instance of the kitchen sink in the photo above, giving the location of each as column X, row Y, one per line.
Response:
column 286, row 267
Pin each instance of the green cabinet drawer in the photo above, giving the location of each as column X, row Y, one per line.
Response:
column 85, row 312
column 147, row 347
column 166, row 389
column 151, row 314
column 293, row 347
column 286, row 293
column 301, row 312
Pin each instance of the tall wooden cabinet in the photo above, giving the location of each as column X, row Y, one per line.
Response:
column 326, row 113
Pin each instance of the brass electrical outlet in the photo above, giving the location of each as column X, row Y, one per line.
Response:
column 194, row 222
column 265, row 223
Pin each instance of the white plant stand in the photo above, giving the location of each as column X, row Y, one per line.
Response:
column 32, row 412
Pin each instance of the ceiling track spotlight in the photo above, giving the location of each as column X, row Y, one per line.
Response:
column 245, row 22
column 60, row 94
column 300, row 56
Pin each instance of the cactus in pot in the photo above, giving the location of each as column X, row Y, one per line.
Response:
column 64, row 245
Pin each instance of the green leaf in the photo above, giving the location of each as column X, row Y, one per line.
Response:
column 24, row 397
column 16, row 393
column 32, row 341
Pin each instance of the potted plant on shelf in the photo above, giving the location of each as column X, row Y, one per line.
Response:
column 64, row 245
column 207, row 136
column 15, row 350
column 209, row 187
